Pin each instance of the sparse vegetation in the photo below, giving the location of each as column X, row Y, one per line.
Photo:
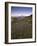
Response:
column 21, row 28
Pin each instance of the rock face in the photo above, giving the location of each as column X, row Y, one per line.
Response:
column 21, row 27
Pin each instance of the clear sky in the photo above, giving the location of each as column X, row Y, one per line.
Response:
column 21, row 11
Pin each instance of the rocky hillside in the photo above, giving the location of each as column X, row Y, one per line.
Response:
column 21, row 27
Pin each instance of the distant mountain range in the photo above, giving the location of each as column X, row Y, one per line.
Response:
column 21, row 18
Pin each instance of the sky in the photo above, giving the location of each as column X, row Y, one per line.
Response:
column 21, row 11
